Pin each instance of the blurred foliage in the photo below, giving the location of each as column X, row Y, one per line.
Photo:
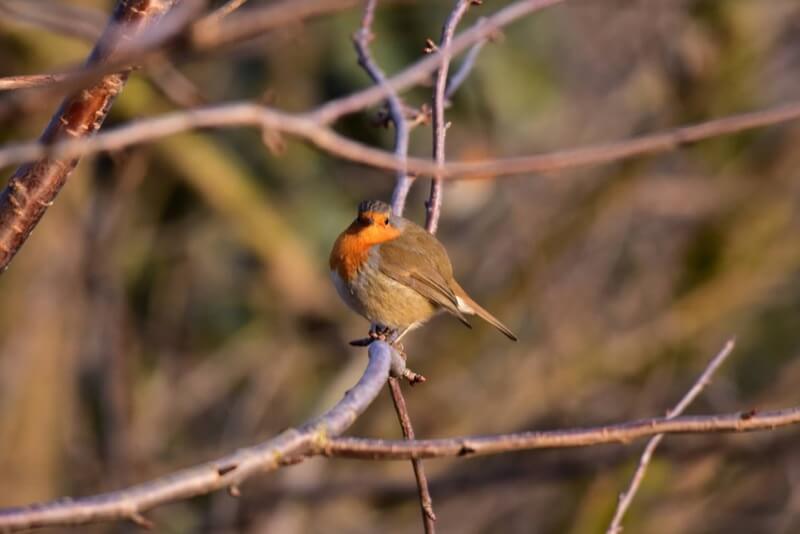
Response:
column 174, row 303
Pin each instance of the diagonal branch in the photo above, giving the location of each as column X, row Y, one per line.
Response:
column 33, row 187
column 626, row 498
column 226, row 472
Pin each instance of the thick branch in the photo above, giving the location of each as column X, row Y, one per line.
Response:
column 378, row 449
column 34, row 186
column 229, row 471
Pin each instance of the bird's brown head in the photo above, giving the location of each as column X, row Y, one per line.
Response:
column 374, row 223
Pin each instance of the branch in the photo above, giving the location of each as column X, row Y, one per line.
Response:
column 395, row 105
column 305, row 127
column 221, row 12
column 32, row 188
column 419, row 71
column 402, row 132
column 89, row 25
column 380, row 449
column 705, row 378
column 314, row 439
column 425, row 501
column 225, row 472
column 464, row 70
column 242, row 26
column 81, row 22
column 433, row 207
column 28, row 81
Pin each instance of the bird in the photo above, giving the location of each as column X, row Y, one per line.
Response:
column 397, row 275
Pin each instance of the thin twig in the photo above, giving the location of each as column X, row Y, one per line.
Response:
column 395, row 105
column 464, row 70
column 226, row 472
column 75, row 21
column 221, row 12
column 87, row 24
column 425, row 501
column 242, row 26
column 419, row 72
column 379, row 449
column 27, row 81
column 433, row 207
column 627, row 496
column 148, row 45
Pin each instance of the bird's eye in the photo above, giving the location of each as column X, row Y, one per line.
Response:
column 386, row 221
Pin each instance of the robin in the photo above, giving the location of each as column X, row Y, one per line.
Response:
column 397, row 275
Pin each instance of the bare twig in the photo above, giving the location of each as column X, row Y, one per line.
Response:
column 149, row 44
column 76, row 21
column 464, row 69
column 305, row 127
column 33, row 187
column 627, row 496
column 28, row 81
column 221, row 12
column 257, row 21
column 425, row 501
column 87, row 24
column 379, row 449
column 419, row 71
column 433, row 206
column 242, row 26
column 395, row 105
column 229, row 471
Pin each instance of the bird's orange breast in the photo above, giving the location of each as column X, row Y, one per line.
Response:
column 352, row 247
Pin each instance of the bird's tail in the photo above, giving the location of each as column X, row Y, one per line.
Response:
column 467, row 305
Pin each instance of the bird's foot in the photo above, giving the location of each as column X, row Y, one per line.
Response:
column 377, row 332
column 382, row 333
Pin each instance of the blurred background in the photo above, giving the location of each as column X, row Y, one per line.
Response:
column 174, row 304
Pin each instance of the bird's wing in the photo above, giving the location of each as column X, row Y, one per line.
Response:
column 417, row 260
